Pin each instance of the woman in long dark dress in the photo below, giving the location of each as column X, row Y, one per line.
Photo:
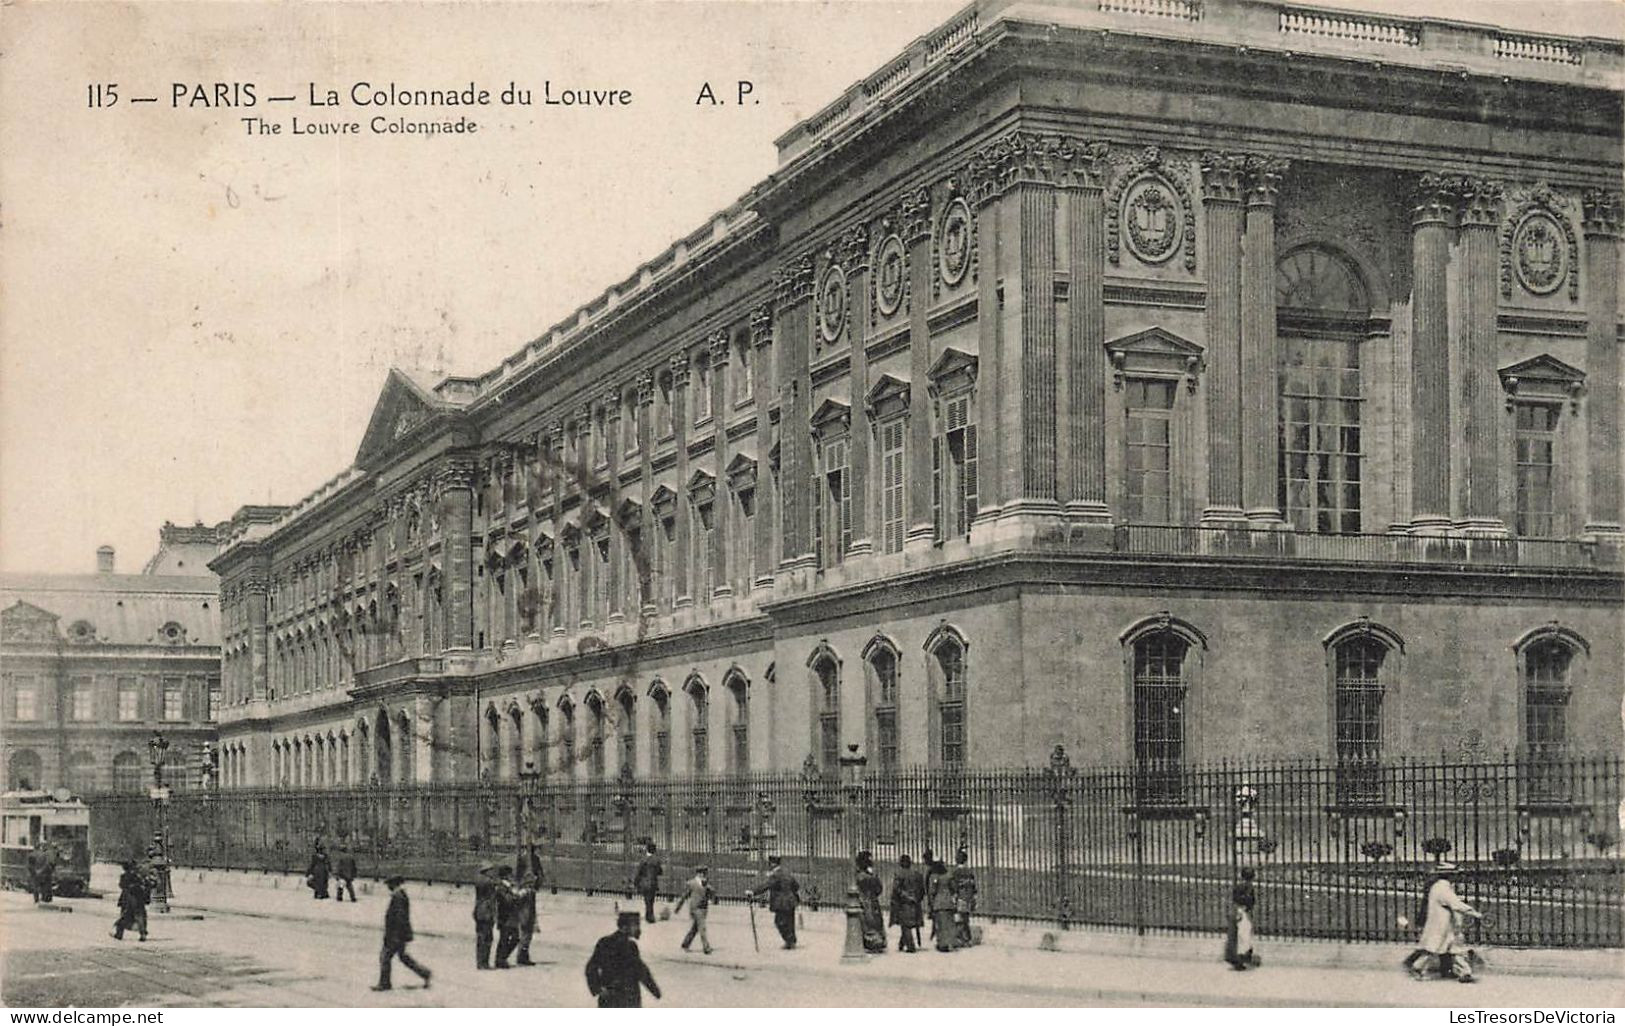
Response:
column 869, row 889
column 943, row 907
column 1238, row 942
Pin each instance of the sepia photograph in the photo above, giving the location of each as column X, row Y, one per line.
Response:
column 812, row 504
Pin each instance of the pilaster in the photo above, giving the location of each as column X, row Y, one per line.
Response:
column 851, row 252
column 646, row 532
column 616, row 599
column 1602, row 234
column 913, row 219
column 791, row 326
column 1480, row 395
column 1431, row 223
column 680, row 428
column 455, row 477
column 1260, row 438
column 722, row 510
column 761, row 338
column 1083, row 488
column 1223, row 177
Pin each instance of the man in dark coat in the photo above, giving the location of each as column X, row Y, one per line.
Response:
column 783, row 896
column 962, row 885
column 132, row 901
column 510, row 899
column 616, row 973
column 529, row 874
column 319, row 871
column 42, row 871
column 907, row 893
column 397, row 933
column 344, row 870
column 485, row 915
column 646, row 881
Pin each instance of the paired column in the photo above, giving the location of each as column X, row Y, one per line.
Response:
column 255, row 586
column 853, row 255
column 455, row 477
column 1430, row 355
column 615, row 599
column 1260, row 437
column 679, row 420
column 914, row 222
column 1083, row 354
column 761, row 338
column 643, row 565
column 791, row 327
column 1478, row 503
column 561, row 557
column 1223, row 181
column 990, row 353
column 587, row 579
column 1602, row 233
column 722, row 503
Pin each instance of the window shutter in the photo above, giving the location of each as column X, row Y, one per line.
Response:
column 970, row 475
column 819, row 498
column 936, row 487
column 846, row 504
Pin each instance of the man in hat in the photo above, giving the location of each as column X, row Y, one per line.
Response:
column 529, row 873
column 485, row 914
column 616, row 972
column 133, row 894
column 646, row 881
column 907, row 895
column 699, row 895
column 344, row 872
column 783, row 896
column 510, row 900
column 42, row 871
column 1441, row 929
column 318, row 872
column 397, row 933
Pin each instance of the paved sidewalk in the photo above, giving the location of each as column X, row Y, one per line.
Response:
column 1092, row 967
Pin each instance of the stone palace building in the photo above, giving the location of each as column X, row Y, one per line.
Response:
column 1174, row 380
column 91, row 664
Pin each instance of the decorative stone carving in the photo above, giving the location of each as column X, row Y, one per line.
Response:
column 891, row 274
column 1542, row 378
column 1602, row 213
column 1481, row 201
column 1151, row 199
column 1435, row 199
column 832, row 303
column 1155, row 353
column 1223, row 175
column 1539, row 248
column 1027, row 157
column 852, row 249
column 955, row 243
column 1263, row 182
column 794, row 280
column 761, row 326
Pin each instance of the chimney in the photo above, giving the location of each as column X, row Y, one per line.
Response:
column 104, row 559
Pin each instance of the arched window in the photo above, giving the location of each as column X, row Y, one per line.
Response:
column 627, row 729
column 738, row 723
column 81, row 775
column 699, row 730
column 1363, row 659
column 129, row 775
column 383, row 744
column 1322, row 307
column 1160, row 667
column 567, row 736
column 948, row 655
column 880, row 665
column 344, row 758
column 595, row 736
column 1546, row 699
column 827, row 696
column 539, row 725
column 516, row 741
column 23, row 773
column 662, row 730
column 491, row 748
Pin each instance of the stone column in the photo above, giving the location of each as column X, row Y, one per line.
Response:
column 722, row 504
column 1029, row 409
column 455, row 476
column 1480, row 387
column 761, row 338
column 1222, row 180
column 560, row 480
column 255, row 586
column 852, row 252
column 1430, row 355
column 643, row 565
column 423, row 739
column 1602, row 232
column 1260, row 434
column 679, row 420
column 1084, row 353
column 990, row 345
column 586, row 613
column 616, row 597
column 792, row 324
column 913, row 222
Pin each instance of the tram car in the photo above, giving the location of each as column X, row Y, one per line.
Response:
column 28, row 817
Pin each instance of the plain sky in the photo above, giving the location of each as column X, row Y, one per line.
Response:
column 193, row 318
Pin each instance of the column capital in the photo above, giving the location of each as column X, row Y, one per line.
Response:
column 1029, row 158
column 1263, row 180
column 453, row 472
column 1436, row 199
column 1602, row 214
column 611, row 401
column 851, row 250
column 718, row 344
column 1222, row 176
column 679, row 369
column 646, row 388
column 1481, row 202
column 761, row 326
column 793, row 283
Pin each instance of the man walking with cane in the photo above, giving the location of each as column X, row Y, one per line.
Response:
column 699, row 895
column 397, row 934
column 783, row 896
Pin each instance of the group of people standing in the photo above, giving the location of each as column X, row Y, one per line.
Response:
column 322, row 870
column 946, row 896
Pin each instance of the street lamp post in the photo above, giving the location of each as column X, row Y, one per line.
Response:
column 158, row 750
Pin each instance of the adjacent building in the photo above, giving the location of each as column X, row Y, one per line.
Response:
column 91, row 665
column 1173, row 380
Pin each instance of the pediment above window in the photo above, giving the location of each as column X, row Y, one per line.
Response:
column 629, row 511
column 1154, row 353
column 741, row 473
column 22, row 621
column 594, row 520
column 831, row 417
column 663, row 502
column 1542, row 378
column 888, row 398
column 702, row 486
column 953, row 371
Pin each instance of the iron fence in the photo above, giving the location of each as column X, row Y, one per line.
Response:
column 1339, row 851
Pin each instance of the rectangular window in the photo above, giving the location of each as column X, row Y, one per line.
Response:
column 82, row 703
column 744, row 541
column 703, row 562
column 173, row 701
column 129, row 701
column 832, row 523
column 744, row 382
column 1148, row 451
column 702, row 392
column 1536, row 444
column 665, row 559
column 829, row 741
column 1159, row 717
column 662, row 735
column 892, row 436
column 1320, row 434
column 212, row 695
column 886, row 738
column 953, row 470
column 25, row 700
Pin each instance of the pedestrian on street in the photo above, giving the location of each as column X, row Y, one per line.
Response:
column 397, row 934
column 616, row 973
column 940, row 900
column 646, row 881
column 907, row 892
column 699, row 896
column 344, row 870
column 1442, row 928
column 133, row 893
column 1238, row 942
column 510, row 899
column 485, row 914
column 783, row 892
column 42, row 871
column 320, row 869
column 962, row 885
column 869, row 891
column 529, row 874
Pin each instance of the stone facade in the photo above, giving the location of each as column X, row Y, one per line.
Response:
column 92, row 664
column 1076, row 379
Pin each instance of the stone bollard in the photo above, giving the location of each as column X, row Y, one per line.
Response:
column 853, row 951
